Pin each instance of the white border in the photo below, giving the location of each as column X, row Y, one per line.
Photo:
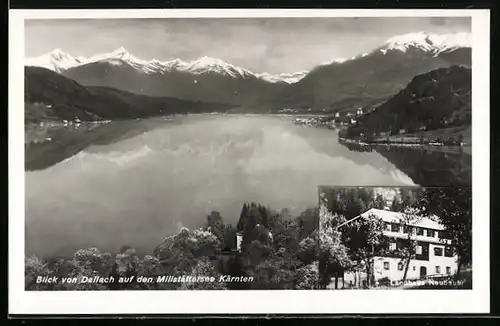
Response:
column 248, row 302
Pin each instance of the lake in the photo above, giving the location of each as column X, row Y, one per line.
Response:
column 136, row 182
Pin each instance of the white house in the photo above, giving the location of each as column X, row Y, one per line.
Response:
column 239, row 239
column 433, row 257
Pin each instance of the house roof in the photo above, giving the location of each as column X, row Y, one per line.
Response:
column 395, row 217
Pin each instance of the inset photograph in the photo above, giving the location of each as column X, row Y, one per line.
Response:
column 395, row 238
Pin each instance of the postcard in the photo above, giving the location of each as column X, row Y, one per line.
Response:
column 252, row 162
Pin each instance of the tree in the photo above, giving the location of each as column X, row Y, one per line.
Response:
column 263, row 213
column 34, row 268
column 308, row 249
column 125, row 266
column 204, row 268
column 243, row 216
column 281, row 251
column 235, row 266
column 275, row 273
column 364, row 239
column 229, row 238
column 379, row 202
column 308, row 276
column 410, row 217
column 347, row 202
column 308, row 222
column 151, row 266
column 333, row 254
column 408, row 198
column 215, row 224
column 354, row 205
column 453, row 207
column 180, row 253
column 96, row 260
column 396, row 205
column 86, row 262
column 252, row 223
column 256, row 252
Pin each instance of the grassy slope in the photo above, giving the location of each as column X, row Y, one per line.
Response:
column 428, row 101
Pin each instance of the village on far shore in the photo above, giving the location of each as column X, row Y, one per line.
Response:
column 452, row 136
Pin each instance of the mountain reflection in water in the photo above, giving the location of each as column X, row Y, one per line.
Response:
column 427, row 165
column 48, row 146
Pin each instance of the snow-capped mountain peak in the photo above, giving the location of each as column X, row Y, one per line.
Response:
column 428, row 42
column 333, row 61
column 207, row 64
column 81, row 59
column 56, row 60
column 60, row 61
column 205, row 60
column 58, row 54
column 119, row 54
column 289, row 78
column 175, row 64
column 121, row 51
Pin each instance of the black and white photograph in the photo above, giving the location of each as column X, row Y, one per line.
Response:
column 205, row 150
column 395, row 238
column 146, row 158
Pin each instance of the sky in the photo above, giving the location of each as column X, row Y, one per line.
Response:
column 273, row 45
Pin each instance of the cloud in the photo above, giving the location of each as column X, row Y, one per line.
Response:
column 273, row 45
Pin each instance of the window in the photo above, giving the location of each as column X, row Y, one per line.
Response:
column 414, row 268
column 430, row 233
column 388, row 226
column 392, row 246
column 448, row 270
column 448, row 252
column 400, row 266
column 386, row 265
column 438, row 269
column 407, row 229
column 395, row 227
column 438, row 251
column 420, row 231
column 418, row 250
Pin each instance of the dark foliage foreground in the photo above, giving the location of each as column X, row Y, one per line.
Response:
column 277, row 252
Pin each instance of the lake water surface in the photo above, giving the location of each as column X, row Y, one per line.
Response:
column 136, row 182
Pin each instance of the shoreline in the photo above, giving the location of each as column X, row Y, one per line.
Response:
column 405, row 144
column 58, row 123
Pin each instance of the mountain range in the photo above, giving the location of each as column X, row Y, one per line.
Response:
column 60, row 61
column 342, row 84
column 50, row 96
column 372, row 78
